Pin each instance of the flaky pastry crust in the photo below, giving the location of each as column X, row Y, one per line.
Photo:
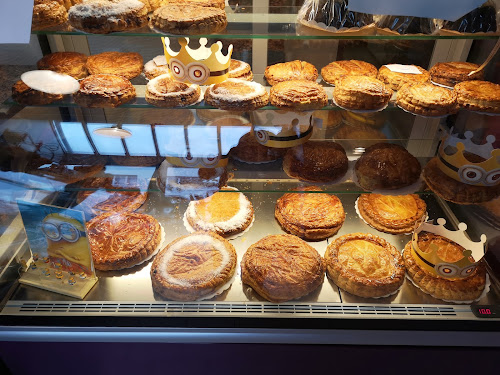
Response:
column 451, row 73
column 282, row 267
column 361, row 92
column 48, row 14
column 395, row 80
column 23, row 94
column 163, row 91
column 365, row 265
column 310, row 216
column 427, row 99
column 70, row 63
column 240, row 69
column 291, row 70
column 298, row 94
column 480, row 96
column 104, row 90
column 221, row 4
column 338, row 69
column 151, row 70
column 124, row 64
column 236, row 94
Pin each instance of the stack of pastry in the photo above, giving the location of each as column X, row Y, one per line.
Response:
column 395, row 80
column 291, row 70
column 361, row 93
column 479, row 96
column 240, row 69
column 427, row 99
column 338, row 69
column 451, row 73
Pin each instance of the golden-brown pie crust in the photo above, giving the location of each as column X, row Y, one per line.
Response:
column 451, row 73
column 282, row 267
column 236, row 94
column 392, row 213
column 299, row 95
column 395, row 80
column 125, row 64
column 291, row 70
column 221, row 4
column 480, row 96
column 361, row 93
column 104, row 90
column 188, row 19
column 23, row 94
column 310, row 216
column 338, row 69
column 250, row 151
column 467, row 289
column 316, row 161
column 70, row 63
column 427, row 99
column 365, row 265
column 151, row 70
column 48, row 14
column 164, row 91
column 386, row 166
column 240, row 69
column 122, row 240
column 193, row 266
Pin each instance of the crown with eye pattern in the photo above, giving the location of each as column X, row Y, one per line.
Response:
column 202, row 66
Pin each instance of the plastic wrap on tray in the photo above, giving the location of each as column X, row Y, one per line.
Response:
column 335, row 16
column 405, row 25
column 485, row 19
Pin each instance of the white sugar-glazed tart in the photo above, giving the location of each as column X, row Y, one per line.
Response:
column 237, row 94
column 163, row 91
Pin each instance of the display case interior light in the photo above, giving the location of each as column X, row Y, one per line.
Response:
column 113, row 132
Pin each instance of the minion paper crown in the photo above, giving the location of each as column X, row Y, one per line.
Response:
column 430, row 261
column 458, row 167
column 203, row 66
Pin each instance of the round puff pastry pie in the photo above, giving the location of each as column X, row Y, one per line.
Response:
column 193, row 267
column 338, row 69
column 361, row 93
column 310, row 216
column 107, row 194
column 316, row 161
column 250, row 151
column 395, row 80
column 467, row 289
column 237, row 94
column 365, row 265
column 240, row 69
column 125, row 64
column 104, row 91
column 454, row 191
column 163, row 91
column 23, row 94
column 282, row 267
column 392, row 213
column 122, row 240
column 427, row 99
column 291, row 70
column 153, row 70
column 188, row 19
column 70, row 63
column 299, row 95
column 479, row 96
column 106, row 16
column 451, row 73
column 386, row 166
column 225, row 213
column 48, row 14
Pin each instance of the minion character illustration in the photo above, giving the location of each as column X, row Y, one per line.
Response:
column 67, row 246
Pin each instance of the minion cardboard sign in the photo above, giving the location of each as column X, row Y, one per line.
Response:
column 61, row 260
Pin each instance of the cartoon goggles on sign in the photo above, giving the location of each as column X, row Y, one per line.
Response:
column 474, row 174
column 64, row 231
column 194, row 72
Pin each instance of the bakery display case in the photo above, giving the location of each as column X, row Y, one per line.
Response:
column 314, row 180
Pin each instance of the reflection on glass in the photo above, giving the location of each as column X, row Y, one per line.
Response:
column 141, row 143
column 105, row 145
column 76, row 139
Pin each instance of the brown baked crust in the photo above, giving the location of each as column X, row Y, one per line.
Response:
column 106, row 16
column 23, row 94
column 163, row 91
column 151, row 70
column 395, row 80
column 451, row 73
column 125, row 64
column 48, row 14
column 107, row 194
column 298, row 94
column 221, row 4
column 291, row 70
column 240, row 69
column 467, row 289
column 427, row 99
column 365, row 265
column 236, row 94
column 122, row 240
column 454, row 191
column 480, row 96
column 251, row 151
column 194, row 267
column 392, row 213
column 359, row 135
column 386, row 166
column 282, row 267
column 70, row 63
column 104, row 90
column 316, row 161
column 69, row 176
column 188, row 19
column 361, row 92
column 310, row 216
column 338, row 69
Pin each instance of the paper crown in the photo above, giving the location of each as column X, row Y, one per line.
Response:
column 458, row 167
column 202, row 66
column 431, row 262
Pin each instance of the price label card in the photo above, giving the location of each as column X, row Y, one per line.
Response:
column 15, row 21
column 61, row 257
column 408, row 69
column 443, row 9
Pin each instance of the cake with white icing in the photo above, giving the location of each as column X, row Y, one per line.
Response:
column 237, row 94
column 193, row 267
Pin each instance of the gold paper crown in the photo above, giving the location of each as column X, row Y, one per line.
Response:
column 456, row 165
column 430, row 261
column 202, row 66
